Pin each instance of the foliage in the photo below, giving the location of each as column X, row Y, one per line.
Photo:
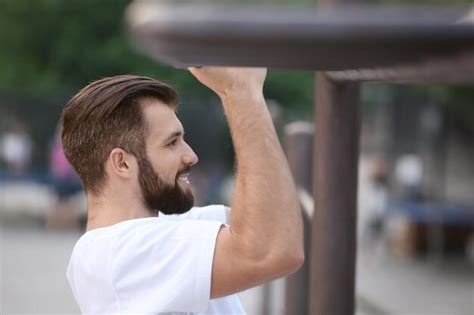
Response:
column 52, row 47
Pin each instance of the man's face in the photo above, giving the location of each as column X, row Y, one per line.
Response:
column 161, row 196
column 163, row 171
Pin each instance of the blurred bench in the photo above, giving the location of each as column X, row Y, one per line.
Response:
column 429, row 228
column 33, row 196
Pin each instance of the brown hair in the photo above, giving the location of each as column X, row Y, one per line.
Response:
column 104, row 115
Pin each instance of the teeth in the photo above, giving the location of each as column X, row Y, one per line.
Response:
column 184, row 178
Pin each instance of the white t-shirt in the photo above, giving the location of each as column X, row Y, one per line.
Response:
column 150, row 266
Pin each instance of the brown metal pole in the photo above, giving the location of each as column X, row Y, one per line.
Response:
column 299, row 152
column 299, row 147
column 335, row 191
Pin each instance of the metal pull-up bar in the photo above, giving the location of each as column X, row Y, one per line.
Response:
column 349, row 44
column 353, row 43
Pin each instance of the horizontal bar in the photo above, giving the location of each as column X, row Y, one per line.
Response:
column 340, row 39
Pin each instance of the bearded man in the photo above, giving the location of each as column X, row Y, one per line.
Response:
column 146, row 249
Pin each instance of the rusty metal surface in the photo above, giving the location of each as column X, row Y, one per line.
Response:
column 301, row 38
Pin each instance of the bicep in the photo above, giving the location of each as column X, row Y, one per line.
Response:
column 233, row 269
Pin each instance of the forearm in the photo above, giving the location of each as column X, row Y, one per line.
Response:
column 265, row 209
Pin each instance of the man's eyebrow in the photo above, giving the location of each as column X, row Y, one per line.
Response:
column 174, row 135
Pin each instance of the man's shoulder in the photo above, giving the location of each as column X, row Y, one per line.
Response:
column 103, row 239
column 210, row 212
column 143, row 230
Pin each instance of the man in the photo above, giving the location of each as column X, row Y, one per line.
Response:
column 124, row 140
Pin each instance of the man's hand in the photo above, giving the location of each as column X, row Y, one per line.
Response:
column 264, row 240
column 231, row 81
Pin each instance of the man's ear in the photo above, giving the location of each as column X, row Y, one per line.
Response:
column 121, row 163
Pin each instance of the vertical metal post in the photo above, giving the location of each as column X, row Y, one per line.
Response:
column 299, row 152
column 299, row 146
column 266, row 306
column 335, row 191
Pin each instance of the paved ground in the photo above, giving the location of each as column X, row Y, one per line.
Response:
column 417, row 287
column 32, row 271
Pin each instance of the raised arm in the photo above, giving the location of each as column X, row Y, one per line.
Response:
column 265, row 239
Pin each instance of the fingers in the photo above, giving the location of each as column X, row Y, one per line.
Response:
column 192, row 69
column 197, row 70
column 224, row 79
column 198, row 73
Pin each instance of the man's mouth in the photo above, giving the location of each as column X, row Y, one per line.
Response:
column 184, row 178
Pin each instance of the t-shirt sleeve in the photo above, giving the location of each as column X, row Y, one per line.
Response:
column 165, row 267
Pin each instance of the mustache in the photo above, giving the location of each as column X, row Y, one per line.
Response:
column 184, row 170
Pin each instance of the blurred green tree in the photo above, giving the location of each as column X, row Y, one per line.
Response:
column 54, row 47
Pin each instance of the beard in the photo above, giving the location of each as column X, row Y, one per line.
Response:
column 159, row 196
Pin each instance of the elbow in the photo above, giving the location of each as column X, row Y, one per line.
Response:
column 297, row 261
column 279, row 264
column 295, row 255
column 291, row 262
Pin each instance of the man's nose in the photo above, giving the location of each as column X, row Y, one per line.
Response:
column 189, row 157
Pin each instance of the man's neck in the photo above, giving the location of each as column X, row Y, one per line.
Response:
column 103, row 212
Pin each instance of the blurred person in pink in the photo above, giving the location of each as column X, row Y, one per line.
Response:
column 66, row 183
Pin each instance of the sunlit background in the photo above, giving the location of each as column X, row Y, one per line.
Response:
column 416, row 182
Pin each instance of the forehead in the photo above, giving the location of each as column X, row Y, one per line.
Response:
column 161, row 119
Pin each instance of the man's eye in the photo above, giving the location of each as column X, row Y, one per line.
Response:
column 173, row 143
